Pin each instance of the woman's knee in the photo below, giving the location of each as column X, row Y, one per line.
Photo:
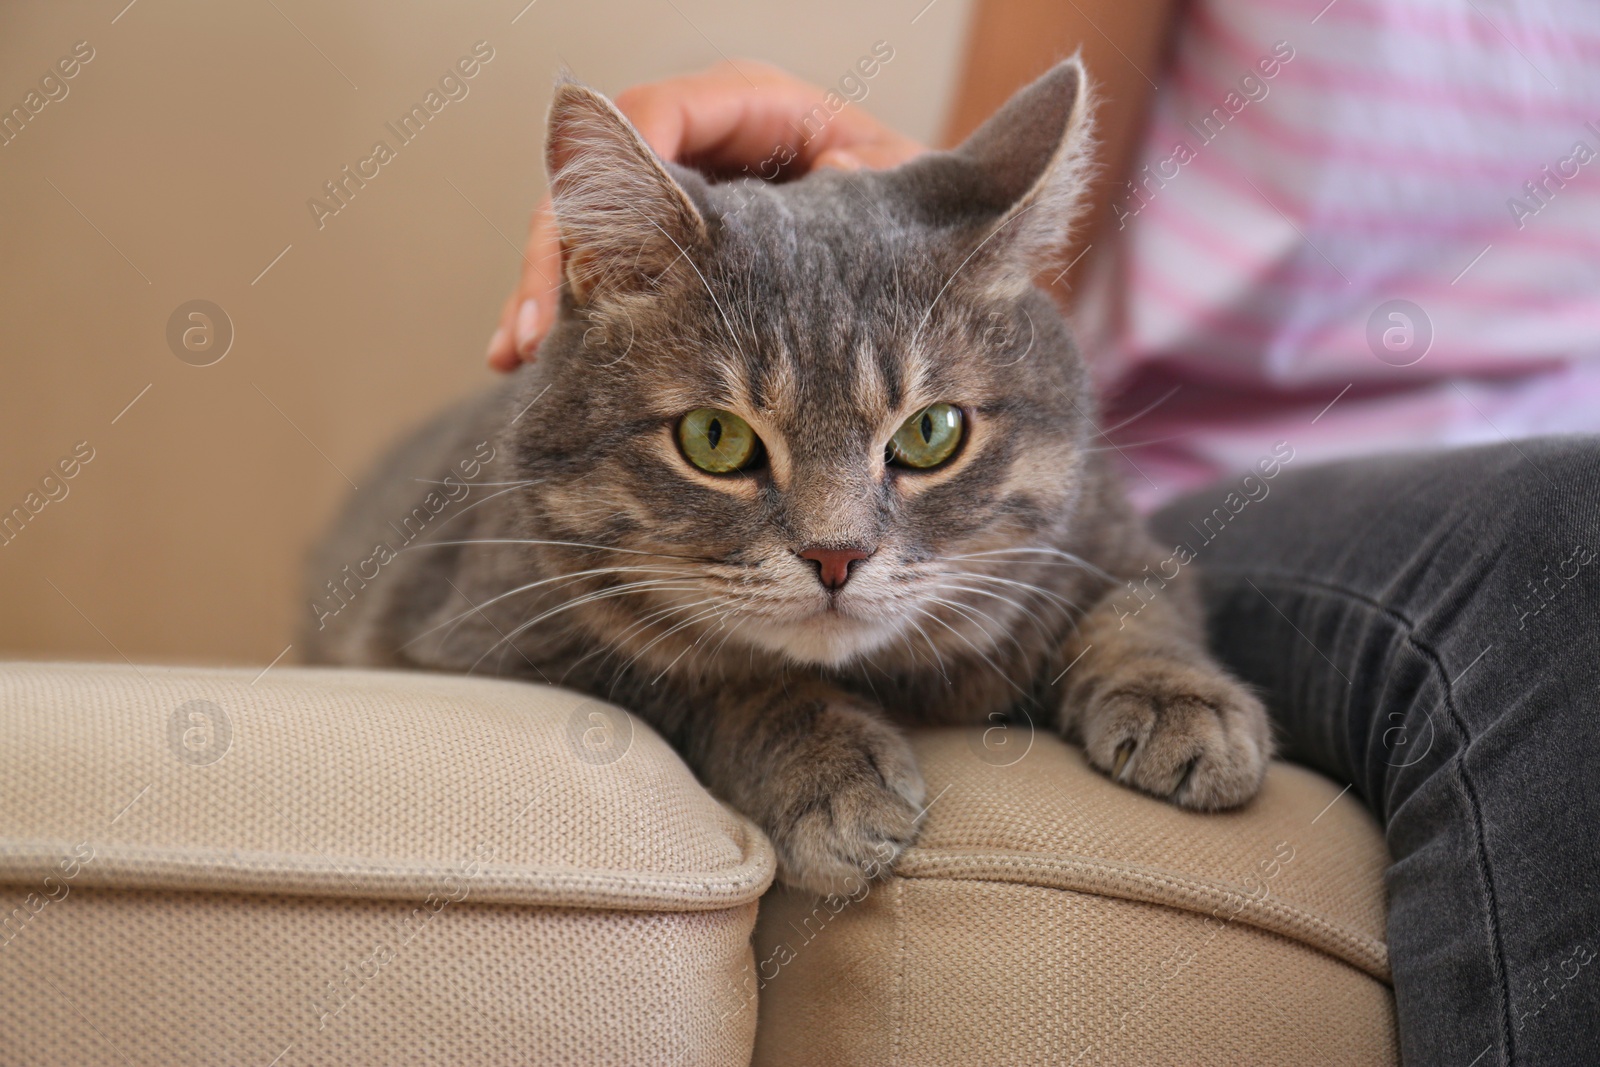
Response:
column 1537, row 508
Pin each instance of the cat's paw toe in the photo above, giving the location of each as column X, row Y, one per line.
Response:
column 1193, row 736
column 851, row 814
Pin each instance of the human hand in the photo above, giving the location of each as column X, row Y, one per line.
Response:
column 723, row 119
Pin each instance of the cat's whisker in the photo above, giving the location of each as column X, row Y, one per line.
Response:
column 1044, row 631
column 1123, row 446
column 570, row 544
column 463, row 481
column 1041, row 590
column 720, row 644
column 508, row 639
column 871, row 661
column 1012, row 562
column 733, row 338
column 613, row 645
column 616, row 644
column 698, row 646
column 981, row 653
column 1147, row 409
column 1039, row 549
column 949, row 580
column 576, row 602
column 674, row 629
column 1016, row 583
column 939, row 659
column 514, row 486
column 1002, row 627
column 918, row 659
column 474, row 609
column 947, row 282
column 1071, row 612
column 621, row 672
column 534, row 585
column 697, row 640
column 717, row 605
column 962, row 609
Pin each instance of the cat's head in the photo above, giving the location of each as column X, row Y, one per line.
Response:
column 803, row 413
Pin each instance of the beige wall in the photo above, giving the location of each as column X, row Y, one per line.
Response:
column 179, row 165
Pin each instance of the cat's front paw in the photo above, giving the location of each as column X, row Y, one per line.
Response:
column 1184, row 732
column 847, row 805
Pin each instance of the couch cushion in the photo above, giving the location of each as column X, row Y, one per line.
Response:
column 1048, row 915
column 214, row 865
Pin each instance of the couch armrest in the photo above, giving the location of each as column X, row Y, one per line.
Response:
column 1047, row 915
column 359, row 866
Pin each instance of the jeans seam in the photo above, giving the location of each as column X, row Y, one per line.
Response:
column 1408, row 629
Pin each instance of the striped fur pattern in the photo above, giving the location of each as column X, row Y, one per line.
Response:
column 824, row 312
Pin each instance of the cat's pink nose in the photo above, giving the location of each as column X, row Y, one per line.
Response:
column 833, row 564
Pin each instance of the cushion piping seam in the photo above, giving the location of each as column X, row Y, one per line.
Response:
column 140, row 868
column 1358, row 949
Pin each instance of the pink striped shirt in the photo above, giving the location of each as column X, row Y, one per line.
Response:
column 1355, row 226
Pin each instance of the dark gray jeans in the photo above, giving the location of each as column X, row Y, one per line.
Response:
column 1426, row 627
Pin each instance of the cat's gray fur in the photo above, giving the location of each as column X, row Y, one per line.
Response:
column 824, row 311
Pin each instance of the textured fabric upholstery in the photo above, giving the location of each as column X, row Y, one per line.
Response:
column 1049, row 916
column 351, row 867
column 346, row 867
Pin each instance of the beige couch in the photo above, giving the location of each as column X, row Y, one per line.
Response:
column 348, row 867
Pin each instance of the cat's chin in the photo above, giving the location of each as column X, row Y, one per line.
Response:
column 825, row 640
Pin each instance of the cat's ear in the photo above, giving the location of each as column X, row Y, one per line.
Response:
column 624, row 221
column 1032, row 161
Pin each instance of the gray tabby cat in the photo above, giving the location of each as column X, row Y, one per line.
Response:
column 800, row 465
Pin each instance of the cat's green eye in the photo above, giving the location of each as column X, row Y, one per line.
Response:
column 927, row 438
column 718, row 442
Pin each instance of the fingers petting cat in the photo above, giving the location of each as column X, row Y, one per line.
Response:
column 832, row 784
column 1154, row 711
column 775, row 451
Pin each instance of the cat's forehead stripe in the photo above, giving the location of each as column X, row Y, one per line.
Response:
column 871, row 391
column 768, row 376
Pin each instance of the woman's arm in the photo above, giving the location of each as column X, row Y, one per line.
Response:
column 725, row 118
column 719, row 118
column 1011, row 42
